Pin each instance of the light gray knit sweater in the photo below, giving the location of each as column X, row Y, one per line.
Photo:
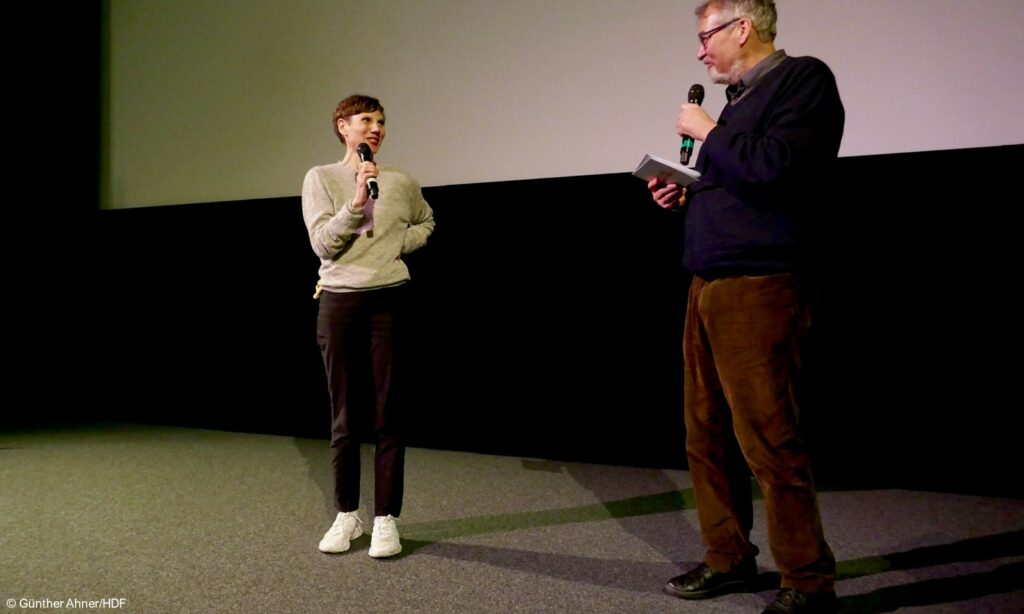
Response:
column 352, row 260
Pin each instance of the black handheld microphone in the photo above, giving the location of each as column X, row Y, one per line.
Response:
column 365, row 155
column 696, row 96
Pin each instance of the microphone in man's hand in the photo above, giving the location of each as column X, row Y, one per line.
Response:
column 696, row 96
column 365, row 155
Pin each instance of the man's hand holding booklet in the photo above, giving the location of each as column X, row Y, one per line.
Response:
column 668, row 172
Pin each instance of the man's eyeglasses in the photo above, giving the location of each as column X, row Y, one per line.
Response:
column 707, row 34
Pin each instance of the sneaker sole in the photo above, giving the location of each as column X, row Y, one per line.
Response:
column 383, row 555
column 356, row 535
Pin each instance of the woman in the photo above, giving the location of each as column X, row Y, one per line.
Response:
column 360, row 241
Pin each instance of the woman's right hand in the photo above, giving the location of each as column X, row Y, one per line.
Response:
column 365, row 171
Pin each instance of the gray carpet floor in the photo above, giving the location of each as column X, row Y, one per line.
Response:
column 187, row 520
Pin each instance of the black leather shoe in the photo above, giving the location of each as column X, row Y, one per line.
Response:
column 702, row 582
column 790, row 601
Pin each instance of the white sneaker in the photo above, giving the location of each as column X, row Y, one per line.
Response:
column 384, row 541
column 346, row 527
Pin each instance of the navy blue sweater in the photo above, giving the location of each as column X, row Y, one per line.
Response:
column 764, row 168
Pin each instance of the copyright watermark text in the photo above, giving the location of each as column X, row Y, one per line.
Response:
column 70, row 603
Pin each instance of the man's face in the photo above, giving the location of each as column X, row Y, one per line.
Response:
column 719, row 47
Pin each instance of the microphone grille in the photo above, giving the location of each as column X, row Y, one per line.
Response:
column 696, row 94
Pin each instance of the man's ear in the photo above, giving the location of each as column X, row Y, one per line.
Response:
column 746, row 29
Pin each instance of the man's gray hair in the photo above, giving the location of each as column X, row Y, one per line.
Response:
column 760, row 12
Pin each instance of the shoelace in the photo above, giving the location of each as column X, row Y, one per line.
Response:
column 339, row 525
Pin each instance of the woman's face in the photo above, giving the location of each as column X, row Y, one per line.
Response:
column 363, row 128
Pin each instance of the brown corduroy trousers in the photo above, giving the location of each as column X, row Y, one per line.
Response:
column 742, row 355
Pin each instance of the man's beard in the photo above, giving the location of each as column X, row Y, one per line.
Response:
column 726, row 78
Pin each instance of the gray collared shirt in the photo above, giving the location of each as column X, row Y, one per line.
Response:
column 737, row 91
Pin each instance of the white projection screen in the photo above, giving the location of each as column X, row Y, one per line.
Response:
column 218, row 100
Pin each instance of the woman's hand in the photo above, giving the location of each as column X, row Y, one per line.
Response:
column 364, row 172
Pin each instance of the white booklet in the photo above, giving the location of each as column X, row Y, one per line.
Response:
column 669, row 172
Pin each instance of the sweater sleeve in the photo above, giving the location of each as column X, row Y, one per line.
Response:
column 329, row 232
column 421, row 224
column 799, row 130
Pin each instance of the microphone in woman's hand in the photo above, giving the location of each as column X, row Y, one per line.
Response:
column 365, row 155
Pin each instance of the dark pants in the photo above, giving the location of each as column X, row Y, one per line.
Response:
column 742, row 355
column 353, row 329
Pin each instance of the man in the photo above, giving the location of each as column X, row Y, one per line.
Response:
column 765, row 165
